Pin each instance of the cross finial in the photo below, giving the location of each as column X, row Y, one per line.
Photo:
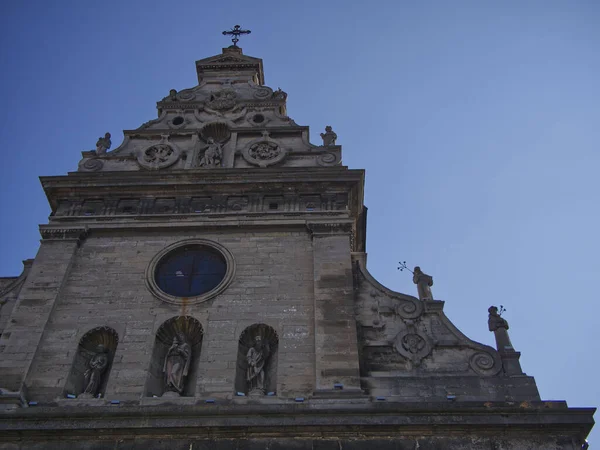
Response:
column 236, row 32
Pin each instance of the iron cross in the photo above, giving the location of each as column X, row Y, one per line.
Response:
column 236, row 32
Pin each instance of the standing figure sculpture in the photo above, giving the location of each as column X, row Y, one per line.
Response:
column 328, row 137
column 213, row 154
column 103, row 144
column 177, row 364
column 93, row 375
column 256, row 358
column 499, row 327
column 424, row 283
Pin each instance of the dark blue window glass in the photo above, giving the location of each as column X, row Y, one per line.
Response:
column 190, row 271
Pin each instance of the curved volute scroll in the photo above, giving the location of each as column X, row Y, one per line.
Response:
column 173, row 366
column 256, row 373
column 401, row 335
column 92, row 363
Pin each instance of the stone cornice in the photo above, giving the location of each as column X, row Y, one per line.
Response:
column 293, row 420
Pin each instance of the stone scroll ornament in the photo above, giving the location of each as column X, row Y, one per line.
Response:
column 256, row 359
column 95, row 371
column 159, row 156
column 264, row 151
column 91, row 165
column 177, row 365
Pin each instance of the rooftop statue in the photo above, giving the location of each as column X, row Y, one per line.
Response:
column 103, row 144
column 329, row 136
column 424, row 283
column 499, row 327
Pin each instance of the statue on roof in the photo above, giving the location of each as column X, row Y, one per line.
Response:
column 499, row 327
column 279, row 94
column 329, row 136
column 103, row 144
column 424, row 283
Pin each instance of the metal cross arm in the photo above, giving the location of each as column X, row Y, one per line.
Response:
column 236, row 32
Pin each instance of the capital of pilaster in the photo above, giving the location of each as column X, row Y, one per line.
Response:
column 77, row 234
column 329, row 228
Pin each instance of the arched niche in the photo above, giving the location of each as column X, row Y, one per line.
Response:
column 256, row 373
column 176, row 351
column 92, row 363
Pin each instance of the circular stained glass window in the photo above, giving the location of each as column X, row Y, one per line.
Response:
column 194, row 270
column 190, row 271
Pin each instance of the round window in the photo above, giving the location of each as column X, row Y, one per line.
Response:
column 195, row 270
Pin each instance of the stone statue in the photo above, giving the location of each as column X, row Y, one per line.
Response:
column 279, row 94
column 103, row 144
column 213, row 154
column 424, row 283
column 173, row 95
column 256, row 358
column 177, row 364
column 328, row 137
column 499, row 327
column 93, row 375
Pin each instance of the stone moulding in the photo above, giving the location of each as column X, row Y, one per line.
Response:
column 158, row 293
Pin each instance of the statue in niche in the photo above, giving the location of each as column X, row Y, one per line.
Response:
column 103, row 144
column 329, row 136
column 213, row 155
column 93, row 375
column 256, row 358
column 173, row 95
column 177, row 364
column 499, row 327
column 424, row 283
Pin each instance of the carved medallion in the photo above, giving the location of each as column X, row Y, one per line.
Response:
column 264, row 152
column 413, row 345
column 222, row 100
column 159, row 156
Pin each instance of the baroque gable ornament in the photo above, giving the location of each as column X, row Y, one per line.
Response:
column 159, row 156
column 264, row 151
column 222, row 100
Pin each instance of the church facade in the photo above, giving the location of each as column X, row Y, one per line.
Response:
column 204, row 285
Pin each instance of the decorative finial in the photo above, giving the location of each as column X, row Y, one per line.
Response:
column 236, row 32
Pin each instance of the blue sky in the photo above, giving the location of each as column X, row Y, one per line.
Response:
column 476, row 121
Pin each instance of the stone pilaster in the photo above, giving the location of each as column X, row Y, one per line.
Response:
column 336, row 347
column 34, row 305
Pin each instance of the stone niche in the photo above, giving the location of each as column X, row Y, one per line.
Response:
column 256, row 373
column 93, row 359
column 181, row 334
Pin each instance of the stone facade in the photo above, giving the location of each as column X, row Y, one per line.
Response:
column 295, row 346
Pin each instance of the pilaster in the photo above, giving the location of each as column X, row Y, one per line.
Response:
column 35, row 303
column 336, row 346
